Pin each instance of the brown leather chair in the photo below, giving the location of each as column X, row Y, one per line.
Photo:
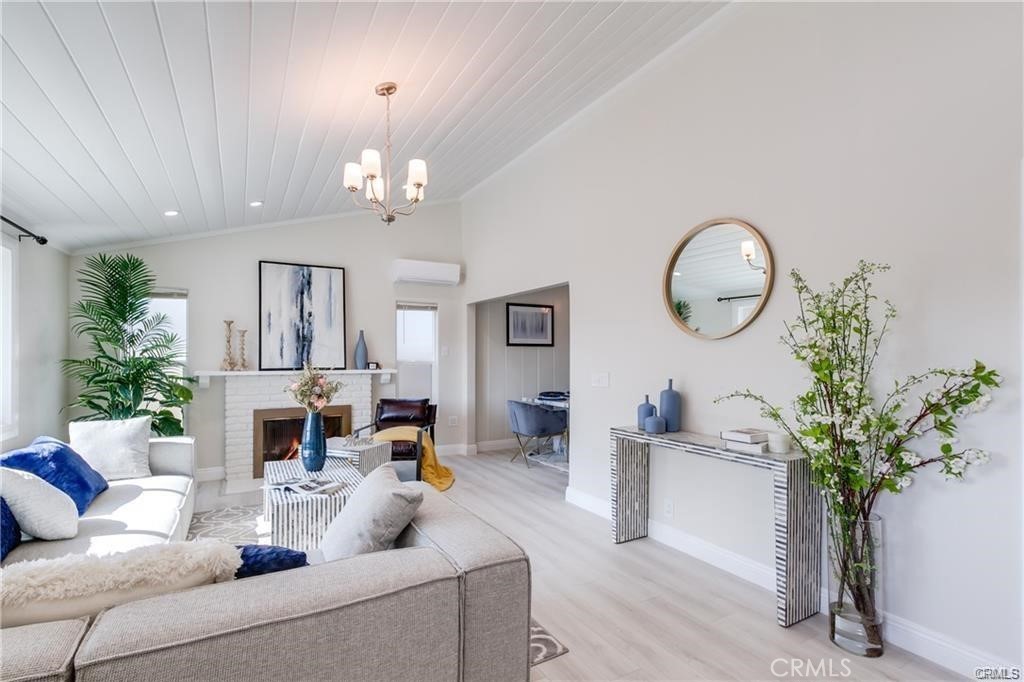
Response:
column 405, row 412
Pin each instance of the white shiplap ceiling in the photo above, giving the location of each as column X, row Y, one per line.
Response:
column 115, row 112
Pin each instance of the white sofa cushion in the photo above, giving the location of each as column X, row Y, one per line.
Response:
column 82, row 585
column 117, row 449
column 130, row 513
column 42, row 510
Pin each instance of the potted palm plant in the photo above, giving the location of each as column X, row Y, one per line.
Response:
column 135, row 365
column 861, row 442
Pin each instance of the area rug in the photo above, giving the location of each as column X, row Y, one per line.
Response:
column 240, row 525
column 555, row 460
column 245, row 526
column 543, row 645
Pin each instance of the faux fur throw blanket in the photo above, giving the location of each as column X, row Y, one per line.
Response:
column 81, row 575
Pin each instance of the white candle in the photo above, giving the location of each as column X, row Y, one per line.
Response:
column 371, row 163
column 417, row 172
column 353, row 176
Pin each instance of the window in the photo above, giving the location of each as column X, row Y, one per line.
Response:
column 174, row 304
column 8, row 342
column 416, row 350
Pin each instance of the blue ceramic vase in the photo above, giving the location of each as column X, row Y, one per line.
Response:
column 671, row 408
column 313, row 451
column 643, row 411
column 654, row 424
column 361, row 360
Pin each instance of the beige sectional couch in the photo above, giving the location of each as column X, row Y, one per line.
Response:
column 450, row 602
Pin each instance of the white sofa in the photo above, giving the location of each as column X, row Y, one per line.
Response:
column 132, row 512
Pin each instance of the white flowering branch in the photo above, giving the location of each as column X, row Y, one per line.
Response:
column 858, row 446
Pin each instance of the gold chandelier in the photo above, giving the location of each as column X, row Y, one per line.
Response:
column 378, row 179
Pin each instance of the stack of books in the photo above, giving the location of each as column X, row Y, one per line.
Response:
column 749, row 441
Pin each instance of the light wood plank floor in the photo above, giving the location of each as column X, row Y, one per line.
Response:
column 640, row 610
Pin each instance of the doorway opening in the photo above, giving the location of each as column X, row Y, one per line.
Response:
column 522, row 367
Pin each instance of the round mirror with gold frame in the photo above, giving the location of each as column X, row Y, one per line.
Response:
column 718, row 278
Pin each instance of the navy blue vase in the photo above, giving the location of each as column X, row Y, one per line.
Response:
column 643, row 411
column 361, row 360
column 671, row 408
column 313, row 451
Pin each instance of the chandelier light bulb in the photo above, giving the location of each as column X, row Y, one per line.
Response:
column 413, row 193
column 375, row 190
column 747, row 250
column 418, row 172
column 371, row 163
column 353, row 177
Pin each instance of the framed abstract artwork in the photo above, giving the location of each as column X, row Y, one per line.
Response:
column 302, row 316
column 529, row 325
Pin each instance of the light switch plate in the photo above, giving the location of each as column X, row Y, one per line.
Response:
column 453, row 420
column 600, row 379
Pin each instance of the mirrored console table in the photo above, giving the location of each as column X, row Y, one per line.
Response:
column 797, row 508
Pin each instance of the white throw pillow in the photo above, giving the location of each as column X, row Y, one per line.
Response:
column 42, row 510
column 117, row 449
column 379, row 509
column 83, row 585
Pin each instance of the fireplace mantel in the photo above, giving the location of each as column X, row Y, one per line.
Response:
column 204, row 376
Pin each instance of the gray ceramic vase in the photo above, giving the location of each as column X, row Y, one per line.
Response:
column 643, row 411
column 671, row 408
column 362, row 362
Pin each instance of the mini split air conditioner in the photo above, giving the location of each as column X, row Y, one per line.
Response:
column 425, row 272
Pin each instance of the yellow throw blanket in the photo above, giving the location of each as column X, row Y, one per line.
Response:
column 434, row 473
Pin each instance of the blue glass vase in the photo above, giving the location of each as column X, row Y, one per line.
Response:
column 313, row 451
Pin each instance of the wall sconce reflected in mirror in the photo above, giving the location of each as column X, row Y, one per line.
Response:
column 748, row 253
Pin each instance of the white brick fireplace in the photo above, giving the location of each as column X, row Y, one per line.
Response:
column 245, row 392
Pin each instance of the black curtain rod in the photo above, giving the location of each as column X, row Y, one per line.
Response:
column 28, row 233
column 722, row 299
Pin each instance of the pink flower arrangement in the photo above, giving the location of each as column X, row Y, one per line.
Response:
column 313, row 390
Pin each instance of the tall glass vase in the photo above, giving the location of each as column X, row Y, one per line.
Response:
column 855, row 587
column 313, row 451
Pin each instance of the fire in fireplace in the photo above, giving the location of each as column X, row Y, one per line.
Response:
column 277, row 433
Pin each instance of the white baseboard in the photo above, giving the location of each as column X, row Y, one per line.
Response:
column 750, row 570
column 938, row 648
column 913, row 637
column 210, row 474
column 454, row 449
column 591, row 503
column 492, row 445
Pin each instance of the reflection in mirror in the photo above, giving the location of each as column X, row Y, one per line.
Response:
column 718, row 278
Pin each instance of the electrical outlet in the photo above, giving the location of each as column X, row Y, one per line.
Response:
column 600, row 380
column 453, row 421
column 669, row 508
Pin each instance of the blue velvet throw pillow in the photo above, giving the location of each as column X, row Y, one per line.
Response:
column 261, row 559
column 10, row 531
column 60, row 466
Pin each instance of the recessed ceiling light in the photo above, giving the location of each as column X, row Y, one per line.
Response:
column 170, row 214
column 676, row 274
column 255, row 204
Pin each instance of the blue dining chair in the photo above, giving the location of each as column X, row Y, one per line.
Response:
column 530, row 420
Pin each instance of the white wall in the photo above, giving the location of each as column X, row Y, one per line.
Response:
column 841, row 131
column 221, row 276
column 42, row 337
column 512, row 372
